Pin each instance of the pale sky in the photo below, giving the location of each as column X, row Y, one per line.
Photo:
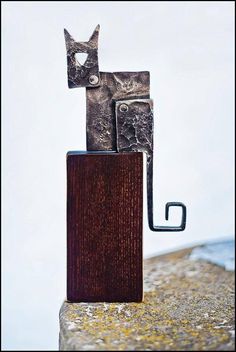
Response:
column 188, row 47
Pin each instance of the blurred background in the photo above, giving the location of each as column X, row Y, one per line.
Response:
column 188, row 47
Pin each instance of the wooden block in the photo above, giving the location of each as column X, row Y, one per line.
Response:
column 104, row 227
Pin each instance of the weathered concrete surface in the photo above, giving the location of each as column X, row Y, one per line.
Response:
column 188, row 305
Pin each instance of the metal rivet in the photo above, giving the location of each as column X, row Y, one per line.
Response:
column 123, row 108
column 93, row 79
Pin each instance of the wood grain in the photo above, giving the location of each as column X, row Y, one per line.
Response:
column 104, row 227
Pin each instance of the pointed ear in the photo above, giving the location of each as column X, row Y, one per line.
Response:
column 68, row 38
column 94, row 37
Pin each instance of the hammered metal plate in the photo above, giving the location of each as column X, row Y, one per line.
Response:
column 101, row 121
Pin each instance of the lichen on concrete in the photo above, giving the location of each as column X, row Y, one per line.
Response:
column 188, row 305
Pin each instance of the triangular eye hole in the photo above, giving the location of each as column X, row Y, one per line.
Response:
column 81, row 58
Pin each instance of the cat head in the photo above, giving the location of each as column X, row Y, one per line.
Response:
column 86, row 74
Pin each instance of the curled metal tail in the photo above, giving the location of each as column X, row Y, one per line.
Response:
column 134, row 122
column 152, row 227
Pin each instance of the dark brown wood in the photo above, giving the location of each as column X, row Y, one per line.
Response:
column 104, row 227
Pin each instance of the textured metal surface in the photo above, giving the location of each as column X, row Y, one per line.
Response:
column 114, row 86
column 134, row 126
column 86, row 75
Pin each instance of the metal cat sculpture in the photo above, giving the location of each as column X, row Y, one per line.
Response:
column 119, row 112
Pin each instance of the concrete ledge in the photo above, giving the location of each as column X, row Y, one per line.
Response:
column 188, row 305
